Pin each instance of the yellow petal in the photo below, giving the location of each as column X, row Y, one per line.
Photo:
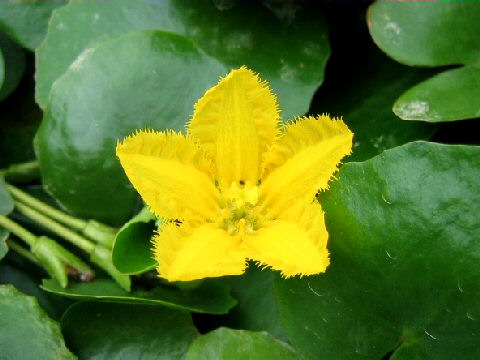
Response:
column 295, row 243
column 235, row 122
column 302, row 161
column 171, row 174
column 184, row 253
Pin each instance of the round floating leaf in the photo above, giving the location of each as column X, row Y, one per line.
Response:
column 405, row 247
column 97, row 102
column 26, row 21
column 25, row 329
column 230, row 344
column 12, row 65
column 451, row 95
column 209, row 297
column 132, row 252
column 103, row 330
column 291, row 54
column 426, row 33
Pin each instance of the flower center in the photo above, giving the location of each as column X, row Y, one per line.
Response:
column 238, row 215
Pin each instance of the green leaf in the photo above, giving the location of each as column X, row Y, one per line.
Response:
column 405, row 249
column 3, row 242
column 132, row 252
column 98, row 102
column 422, row 33
column 25, row 329
column 209, row 297
column 26, row 21
column 103, row 330
column 290, row 53
column 230, row 344
column 12, row 66
column 6, row 202
column 451, row 95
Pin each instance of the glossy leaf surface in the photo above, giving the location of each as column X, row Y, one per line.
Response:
column 101, row 330
column 225, row 343
column 25, row 329
column 207, row 298
column 12, row 65
column 404, row 276
column 97, row 102
column 290, row 52
column 451, row 95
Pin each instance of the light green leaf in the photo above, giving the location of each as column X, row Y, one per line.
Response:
column 98, row 102
column 26, row 331
column 290, row 53
column 132, row 252
column 405, row 247
column 451, row 95
column 209, row 297
column 3, row 242
column 6, row 202
column 26, row 21
column 230, row 344
column 101, row 330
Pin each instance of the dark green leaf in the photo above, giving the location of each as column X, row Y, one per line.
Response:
column 100, row 330
column 12, row 62
column 26, row 21
column 26, row 331
column 6, row 202
column 98, row 102
column 132, row 252
column 290, row 54
column 405, row 249
column 451, row 95
column 422, row 33
column 230, row 344
column 209, row 297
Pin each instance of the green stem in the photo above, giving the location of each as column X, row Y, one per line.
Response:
column 22, row 251
column 48, row 210
column 18, row 230
column 57, row 228
column 23, row 172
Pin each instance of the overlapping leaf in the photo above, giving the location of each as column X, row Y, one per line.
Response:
column 430, row 34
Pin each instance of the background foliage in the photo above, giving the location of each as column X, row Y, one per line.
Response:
column 402, row 212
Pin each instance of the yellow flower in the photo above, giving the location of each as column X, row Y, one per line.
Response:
column 242, row 186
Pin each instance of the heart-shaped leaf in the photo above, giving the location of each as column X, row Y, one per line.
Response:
column 290, row 53
column 209, row 297
column 104, row 330
column 404, row 278
column 97, row 102
column 26, row 331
